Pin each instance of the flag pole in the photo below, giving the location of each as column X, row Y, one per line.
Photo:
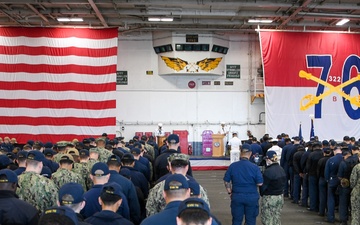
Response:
column 312, row 132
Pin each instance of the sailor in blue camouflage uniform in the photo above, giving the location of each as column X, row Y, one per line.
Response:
column 241, row 180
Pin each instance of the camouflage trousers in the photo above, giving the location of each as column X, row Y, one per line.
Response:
column 355, row 206
column 271, row 206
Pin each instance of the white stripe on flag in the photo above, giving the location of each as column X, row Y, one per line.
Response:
column 58, row 60
column 57, row 113
column 59, row 42
column 63, row 95
column 58, row 78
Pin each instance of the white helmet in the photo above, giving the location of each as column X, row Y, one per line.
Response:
column 160, row 124
column 222, row 123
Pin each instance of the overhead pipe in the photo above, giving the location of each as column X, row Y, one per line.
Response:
column 327, row 15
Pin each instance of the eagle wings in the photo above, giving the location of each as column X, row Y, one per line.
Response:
column 178, row 64
column 208, row 64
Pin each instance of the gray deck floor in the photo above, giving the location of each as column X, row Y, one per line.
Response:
column 212, row 181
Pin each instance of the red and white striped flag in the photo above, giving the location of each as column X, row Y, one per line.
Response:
column 57, row 84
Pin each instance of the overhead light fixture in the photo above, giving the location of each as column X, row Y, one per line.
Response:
column 342, row 22
column 76, row 19
column 259, row 21
column 167, row 19
column 154, row 19
column 67, row 19
column 160, row 19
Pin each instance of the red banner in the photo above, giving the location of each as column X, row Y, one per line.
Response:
column 312, row 74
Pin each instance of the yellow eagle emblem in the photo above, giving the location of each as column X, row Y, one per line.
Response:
column 178, row 64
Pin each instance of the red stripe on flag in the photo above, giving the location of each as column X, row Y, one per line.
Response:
column 54, row 69
column 59, row 32
column 68, row 86
column 62, row 121
column 57, row 104
column 23, row 138
column 50, row 51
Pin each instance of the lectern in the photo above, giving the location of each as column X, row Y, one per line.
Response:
column 218, row 145
column 160, row 140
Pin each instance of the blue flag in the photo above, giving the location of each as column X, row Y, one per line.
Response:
column 312, row 133
column 300, row 133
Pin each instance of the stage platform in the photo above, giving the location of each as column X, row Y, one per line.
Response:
column 209, row 163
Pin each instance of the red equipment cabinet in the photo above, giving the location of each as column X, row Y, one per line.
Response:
column 184, row 143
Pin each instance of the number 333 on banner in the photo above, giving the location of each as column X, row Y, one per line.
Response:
column 325, row 62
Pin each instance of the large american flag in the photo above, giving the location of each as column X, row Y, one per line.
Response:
column 57, row 84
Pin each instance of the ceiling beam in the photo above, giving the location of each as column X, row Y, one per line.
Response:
column 98, row 14
column 303, row 5
column 67, row 7
column 43, row 8
column 6, row 7
column 10, row 17
column 37, row 12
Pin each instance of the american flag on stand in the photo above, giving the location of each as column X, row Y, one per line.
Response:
column 57, row 83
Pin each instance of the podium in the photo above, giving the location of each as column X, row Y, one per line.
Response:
column 160, row 140
column 218, row 145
